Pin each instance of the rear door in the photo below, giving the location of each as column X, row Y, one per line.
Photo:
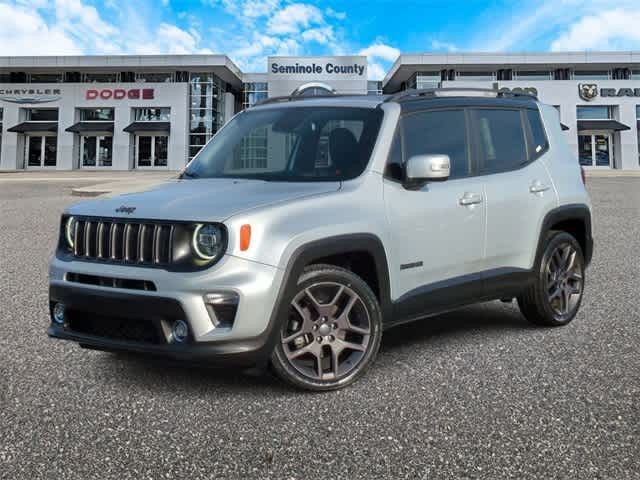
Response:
column 511, row 143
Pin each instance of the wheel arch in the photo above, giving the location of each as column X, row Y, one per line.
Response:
column 351, row 251
column 574, row 219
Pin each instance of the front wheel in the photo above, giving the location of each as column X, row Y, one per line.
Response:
column 332, row 332
column 556, row 294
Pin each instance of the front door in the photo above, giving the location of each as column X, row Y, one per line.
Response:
column 96, row 151
column 438, row 230
column 595, row 150
column 151, row 151
column 41, row 151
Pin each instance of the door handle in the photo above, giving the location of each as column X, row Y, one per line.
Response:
column 470, row 199
column 538, row 187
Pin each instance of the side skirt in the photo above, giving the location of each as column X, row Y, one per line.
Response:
column 457, row 292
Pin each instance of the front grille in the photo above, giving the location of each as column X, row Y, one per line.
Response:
column 123, row 242
column 126, row 329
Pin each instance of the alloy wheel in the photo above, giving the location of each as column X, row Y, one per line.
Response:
column 564, row 280
column 328, row 331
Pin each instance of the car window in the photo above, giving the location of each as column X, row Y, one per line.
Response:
column 438, row 132
column 292, row 144
column 538, row 141
column 500, row 138
column 323, row 152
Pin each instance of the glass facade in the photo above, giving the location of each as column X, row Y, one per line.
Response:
column 101, row 77
column 152, row 114
column 374, row 87
column 206, row 109
column 476, row 76
column 533, row 75
column 594, row 112
column 46, row 77
column 96, row 151
column 422, row 80
column 253, row 93
column 591, row 74
column 96, row 114
column 42, row 114
column 156, row 77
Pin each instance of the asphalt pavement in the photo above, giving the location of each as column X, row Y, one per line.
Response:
column 476, row 393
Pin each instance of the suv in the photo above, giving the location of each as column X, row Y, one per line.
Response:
column 307, row 226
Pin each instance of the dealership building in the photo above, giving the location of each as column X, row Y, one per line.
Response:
column 156, row 112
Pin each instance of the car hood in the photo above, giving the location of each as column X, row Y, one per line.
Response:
column 212, row 200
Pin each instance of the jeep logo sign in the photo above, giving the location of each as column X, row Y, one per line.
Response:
column 528, row 90
column 121, row 94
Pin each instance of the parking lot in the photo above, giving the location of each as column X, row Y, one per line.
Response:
column 476, row 393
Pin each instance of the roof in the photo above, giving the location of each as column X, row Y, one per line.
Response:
column 219, row 64
column 408, row 63
column 409, row 99
column 363, row 101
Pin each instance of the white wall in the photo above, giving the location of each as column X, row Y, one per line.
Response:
column 73, row 96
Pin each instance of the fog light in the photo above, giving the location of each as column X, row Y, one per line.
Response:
column 58, row 313
column 180, row 331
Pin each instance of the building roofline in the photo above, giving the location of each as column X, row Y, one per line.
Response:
column 97, row 62
column 511, row 58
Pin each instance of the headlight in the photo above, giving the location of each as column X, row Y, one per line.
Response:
column 208, row 241
column 69, row 230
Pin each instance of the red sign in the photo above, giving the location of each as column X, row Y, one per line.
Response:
column 120, row 94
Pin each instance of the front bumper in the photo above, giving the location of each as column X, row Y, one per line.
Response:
column 178, row 296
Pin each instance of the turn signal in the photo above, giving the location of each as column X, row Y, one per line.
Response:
column 245, row 237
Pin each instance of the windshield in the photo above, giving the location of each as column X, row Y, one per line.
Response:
column 291, row 144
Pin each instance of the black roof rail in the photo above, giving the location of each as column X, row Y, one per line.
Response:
column 416, row 94
column 295, row 98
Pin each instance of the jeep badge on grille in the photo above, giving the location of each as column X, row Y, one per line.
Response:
column 125, row 209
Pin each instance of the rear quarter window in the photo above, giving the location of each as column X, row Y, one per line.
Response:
column 538, row 143
column 500, row 139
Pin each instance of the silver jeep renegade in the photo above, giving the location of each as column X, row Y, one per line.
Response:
column 307, row 226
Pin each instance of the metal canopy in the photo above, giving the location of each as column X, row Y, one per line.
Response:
column 612, row 125
column 35, row 127
column 148, row 127
column 81, row 127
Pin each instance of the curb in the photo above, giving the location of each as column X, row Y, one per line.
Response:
column 79, row 192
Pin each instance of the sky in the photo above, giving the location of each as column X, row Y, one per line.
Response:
column 249, row 31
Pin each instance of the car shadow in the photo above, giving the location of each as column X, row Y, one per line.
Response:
column 492, row 317
column 157, row 372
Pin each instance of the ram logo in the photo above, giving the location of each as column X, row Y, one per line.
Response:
column 587, row 91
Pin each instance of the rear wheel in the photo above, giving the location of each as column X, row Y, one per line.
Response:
column 556, row 295
column 332, row 332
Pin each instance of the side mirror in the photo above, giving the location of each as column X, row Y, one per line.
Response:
column 423, row 168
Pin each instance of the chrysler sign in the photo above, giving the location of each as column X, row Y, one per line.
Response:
column 30, row 95
column 120, row 94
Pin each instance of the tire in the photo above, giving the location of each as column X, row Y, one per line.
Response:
column 332, row 333
column 556, row 294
